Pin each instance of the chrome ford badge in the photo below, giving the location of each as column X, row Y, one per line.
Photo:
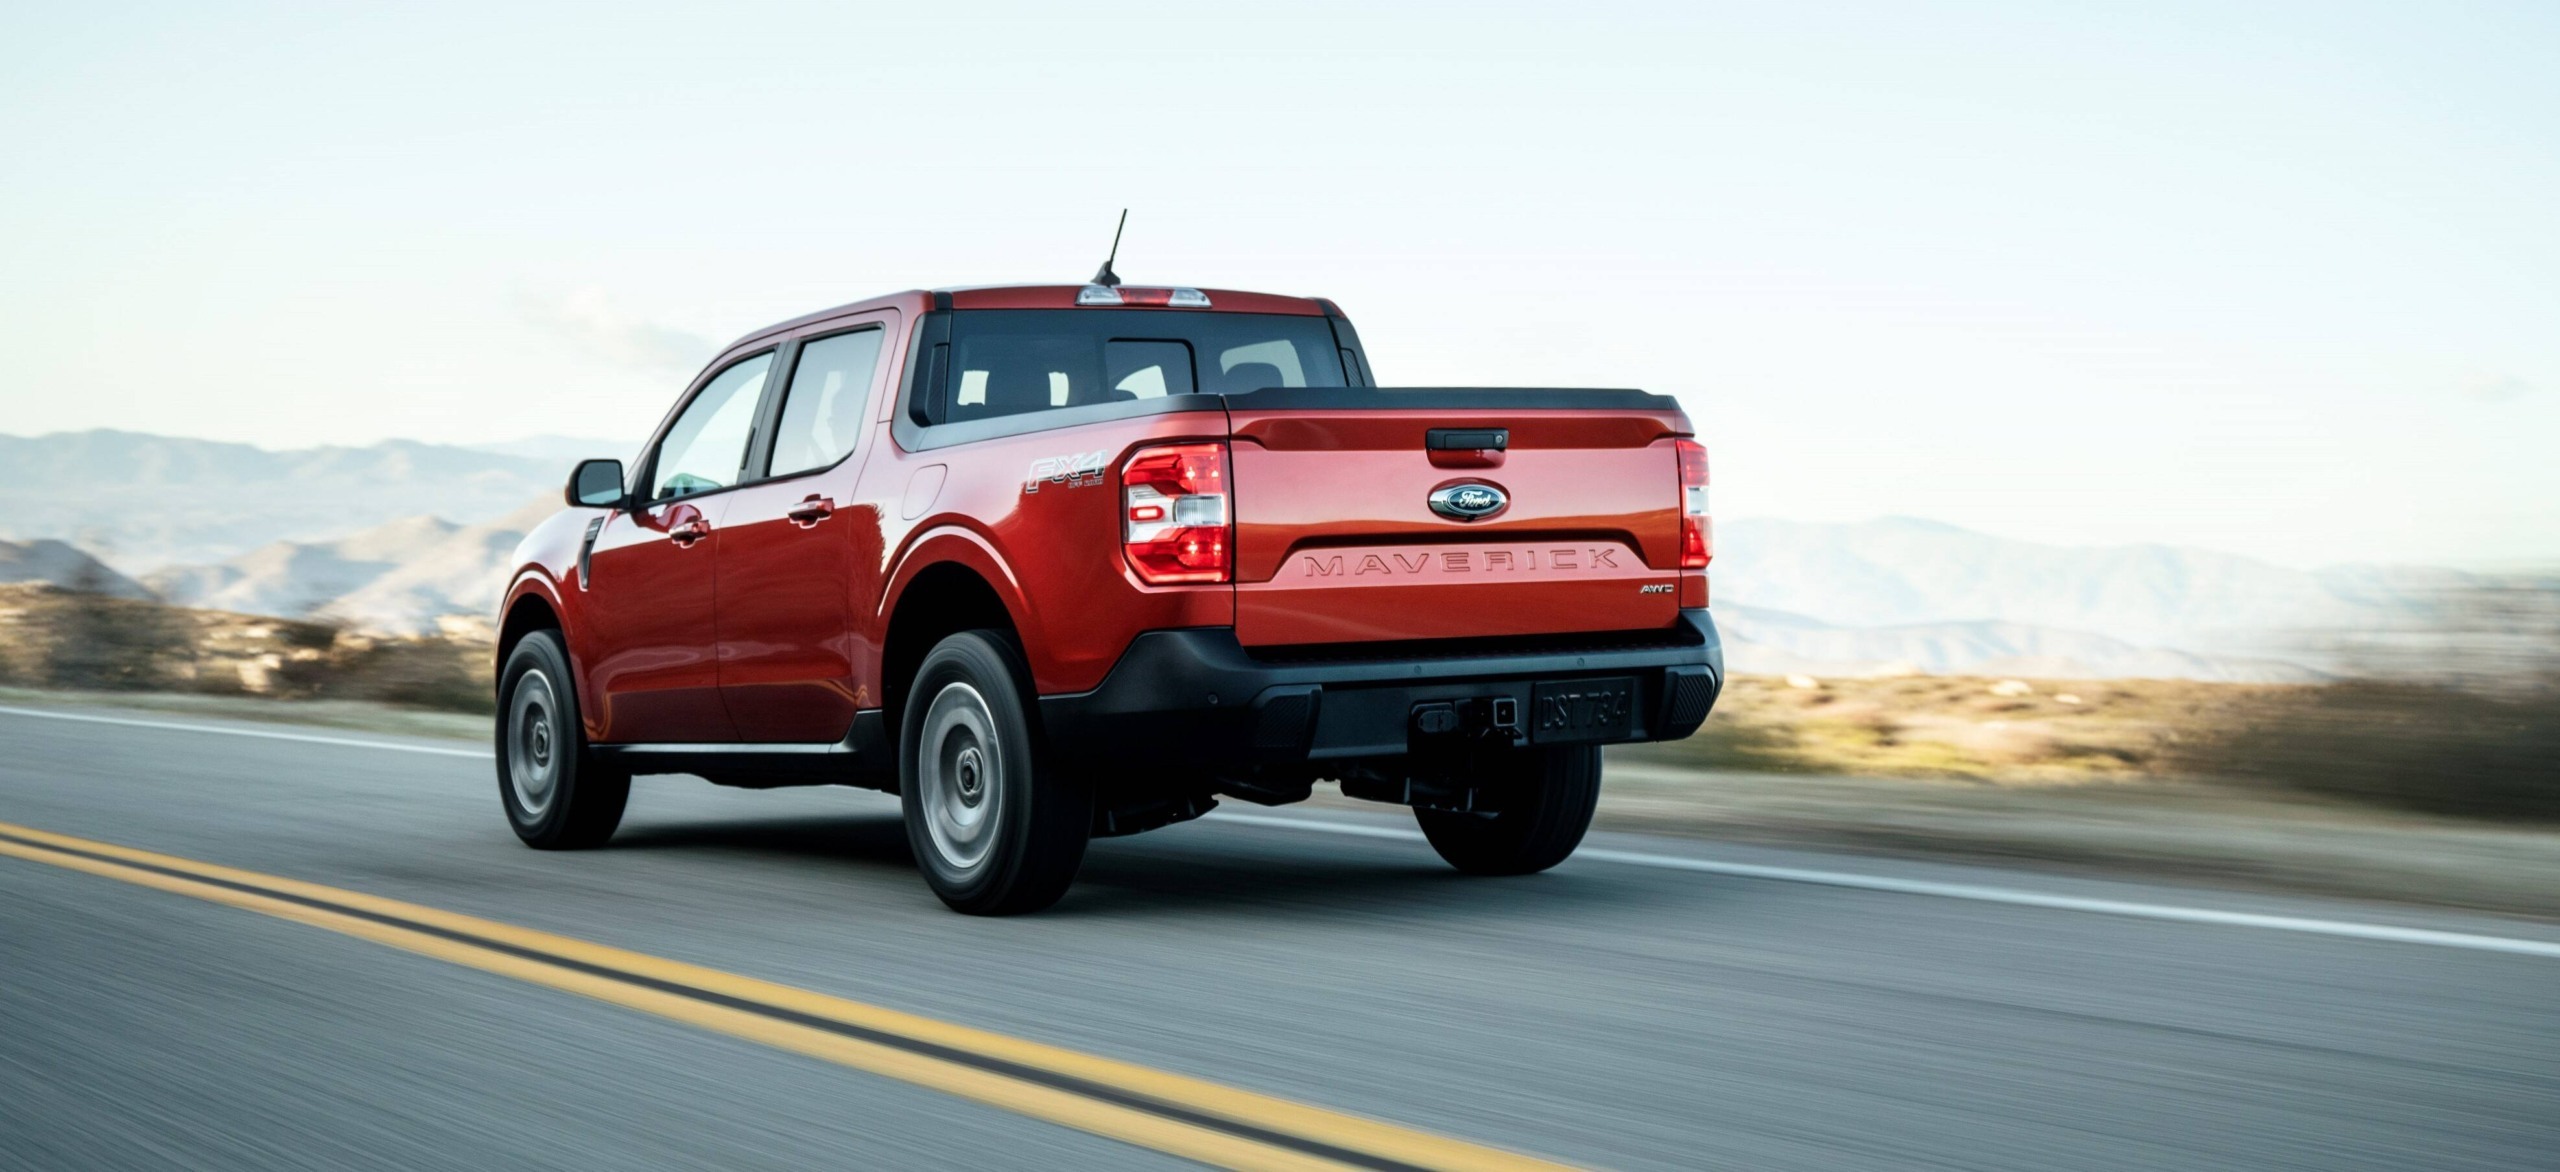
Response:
column 1469, row 502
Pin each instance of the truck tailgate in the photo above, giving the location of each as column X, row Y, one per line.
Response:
column 1338, row 539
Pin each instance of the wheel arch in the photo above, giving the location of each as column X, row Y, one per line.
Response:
column 529, row 608
column 532, row 607
column 948, row 586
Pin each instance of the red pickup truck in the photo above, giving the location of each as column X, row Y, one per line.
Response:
column 1057, row 562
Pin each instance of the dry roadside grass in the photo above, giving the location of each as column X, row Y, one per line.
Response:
column 2013, row 732
column 66, row 640
column 2490, row 753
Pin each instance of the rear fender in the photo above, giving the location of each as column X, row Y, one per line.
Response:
column 970, row 549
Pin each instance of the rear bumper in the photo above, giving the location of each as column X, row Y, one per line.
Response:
column 1196, row 696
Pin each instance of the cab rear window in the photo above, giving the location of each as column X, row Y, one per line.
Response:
column 1014, row 361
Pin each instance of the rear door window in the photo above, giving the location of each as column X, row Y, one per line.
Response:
column 822, row 412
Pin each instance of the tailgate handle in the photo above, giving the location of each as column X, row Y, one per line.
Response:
column 1467, row 439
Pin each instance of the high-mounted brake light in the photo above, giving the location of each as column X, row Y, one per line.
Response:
column 1132, row 295
column 1697, row 533
column 1174, row 519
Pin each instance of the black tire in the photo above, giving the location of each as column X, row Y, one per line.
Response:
column 996, row 828
column 557, row 795
column 1545, row 801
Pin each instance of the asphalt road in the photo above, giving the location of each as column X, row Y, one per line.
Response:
column 1615, row 1012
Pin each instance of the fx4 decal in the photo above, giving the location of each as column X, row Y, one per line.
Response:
column 1082, row 470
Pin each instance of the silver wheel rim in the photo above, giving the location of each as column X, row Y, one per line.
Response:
column 533, row 744
column 961, row 776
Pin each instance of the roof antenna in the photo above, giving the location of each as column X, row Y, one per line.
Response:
column 1106, row 278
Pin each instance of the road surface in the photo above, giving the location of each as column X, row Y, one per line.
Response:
column 1249, row 983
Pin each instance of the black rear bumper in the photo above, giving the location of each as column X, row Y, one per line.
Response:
column 1197, row 696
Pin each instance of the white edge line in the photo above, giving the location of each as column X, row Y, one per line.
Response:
column 1974, row 892
column 1980, row 894
column 263, row 734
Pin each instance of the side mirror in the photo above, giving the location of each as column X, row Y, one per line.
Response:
column 597, row 484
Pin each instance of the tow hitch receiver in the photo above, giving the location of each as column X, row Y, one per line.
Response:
column 1490, row 718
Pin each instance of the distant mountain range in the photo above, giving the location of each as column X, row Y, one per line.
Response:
column 1898, row 571
column 396, row 536
column 1772, row 642
column 142, row 502
column 563, row 451
column 1902, row 593
column 60, row 563
column 399, row 577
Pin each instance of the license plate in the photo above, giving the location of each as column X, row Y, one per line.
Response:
column 1565, row 711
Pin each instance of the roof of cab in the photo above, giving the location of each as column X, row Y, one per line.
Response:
column 1034, row 297
column 1064, row 297
column 911, row 301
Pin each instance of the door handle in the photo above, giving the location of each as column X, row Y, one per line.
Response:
column 686, row 534
column 809, row 512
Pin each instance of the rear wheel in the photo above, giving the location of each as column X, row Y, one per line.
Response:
column 558, row 796
column 996, row 828
column 1544, row 799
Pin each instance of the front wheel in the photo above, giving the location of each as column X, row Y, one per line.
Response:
column 995, row 829
column 1543, row 804
column 558, row 795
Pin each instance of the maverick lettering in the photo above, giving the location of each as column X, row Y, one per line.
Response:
column 1456, row 561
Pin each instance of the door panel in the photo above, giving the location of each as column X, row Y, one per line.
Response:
column 798, row 550
column 786, row 656
column 650, row 661
column 651, row 640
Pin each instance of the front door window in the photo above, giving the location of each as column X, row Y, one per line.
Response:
column 707, row 447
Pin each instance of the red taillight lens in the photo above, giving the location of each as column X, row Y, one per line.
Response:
column 1173, row 514
column 1697, row 534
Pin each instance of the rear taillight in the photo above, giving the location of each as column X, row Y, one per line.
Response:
column 1173, row 514
column 1697, row 534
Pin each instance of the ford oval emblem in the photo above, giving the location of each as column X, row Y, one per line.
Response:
column 1469, row 502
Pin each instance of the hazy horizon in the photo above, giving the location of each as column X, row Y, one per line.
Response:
column 565, row 449
column 2271, row 280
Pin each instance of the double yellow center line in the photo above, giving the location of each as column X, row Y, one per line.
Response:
column 1171, row 1113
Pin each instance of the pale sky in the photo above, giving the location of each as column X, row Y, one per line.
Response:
column 2281, row 279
